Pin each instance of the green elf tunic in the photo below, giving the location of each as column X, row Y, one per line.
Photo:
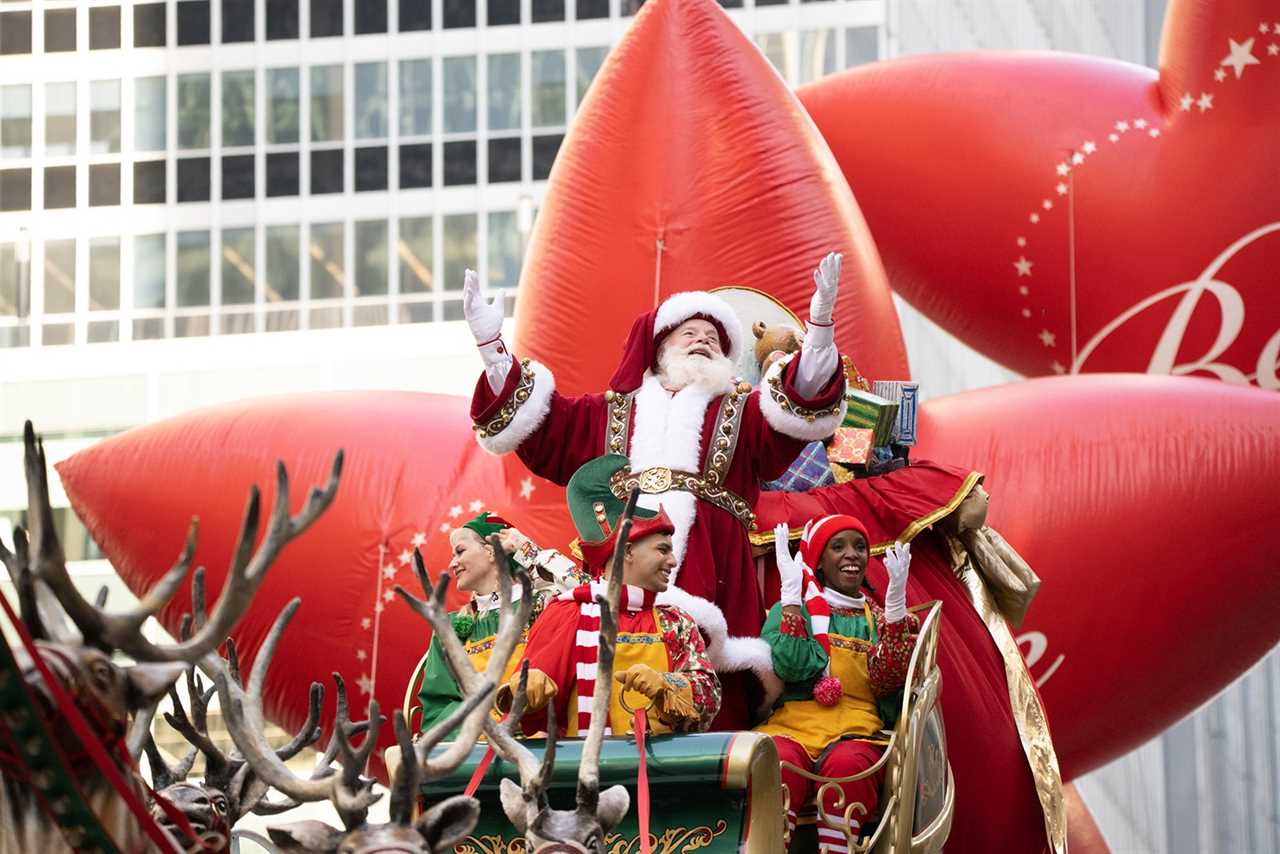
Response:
column 868, row 656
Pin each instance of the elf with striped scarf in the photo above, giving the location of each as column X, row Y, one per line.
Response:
column 844, row 661
column 660, row 659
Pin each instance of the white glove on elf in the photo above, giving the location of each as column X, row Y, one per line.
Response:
column 897, row 560
column 790, row 570
column 485, row 319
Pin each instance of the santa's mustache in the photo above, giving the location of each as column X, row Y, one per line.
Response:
column 682, row 366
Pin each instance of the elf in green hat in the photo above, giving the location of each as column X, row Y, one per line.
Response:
column 475, row 566
column 660, row 660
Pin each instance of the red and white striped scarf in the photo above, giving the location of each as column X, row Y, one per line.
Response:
column 586, row 646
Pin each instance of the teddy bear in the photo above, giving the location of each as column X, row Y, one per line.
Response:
column 773, row 342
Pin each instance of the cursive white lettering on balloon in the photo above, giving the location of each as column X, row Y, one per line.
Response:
column 1037, row 645
column 1231, row 310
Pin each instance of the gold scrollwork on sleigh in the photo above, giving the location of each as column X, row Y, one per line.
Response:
column 672, row 840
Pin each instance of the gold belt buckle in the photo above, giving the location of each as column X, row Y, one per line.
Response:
column 654, row 480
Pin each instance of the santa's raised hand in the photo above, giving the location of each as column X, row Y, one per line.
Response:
column 826, row 281
column 897, row 562
column 790, row 569
column 484, row 316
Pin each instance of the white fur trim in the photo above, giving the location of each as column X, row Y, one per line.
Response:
column 668, row 432
column 787, row 422
column 678, row 308
column 528, row 417
column 727, row 654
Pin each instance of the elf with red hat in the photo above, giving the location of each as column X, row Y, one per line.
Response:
column 844, row 662
column 698, row 440
column 660, row 661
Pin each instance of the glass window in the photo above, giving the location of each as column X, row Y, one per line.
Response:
column 415, row 15
column 149, row 25
column 60, row 187
column 327, row 273
column 459, row 94
column 371, row 16
column 548, row 87
column 150, row 111
column 817, row 54
column 283, row 88
column 504, row 250
column 15, row 283
column 460, row 162
column 192, row 268
column 282, row 280
column 371, row 100
column 59, row 276
column 592, row 9
column 15, row 189
column 56, row 334
column 238, row 176
column 59, row 118
column 371, row 168
column 237, row 21
column 15, row 33
column 238, row 276
column 326, row 18
column 326, row 171
column 282, row 173
column 193, row 111
column 415, row 97
column 459, row 13
column 149, row 182
column 415, row 252
column 503, row 12
column 104, row 184
column 237, row 108
column 415, row 166
column 104, row 28
column 371, row 257
column 504, row 159
column 15, row 121
column 59, row 30
column 326, row 103
column 861, row 45
column 101, row 331
column 589, row 61
column 542, row 11
column 148, row 271
column 104, row 273
column 282, row 19
column 193, row 22
column 505, row 95
column 193, row 179
column 104, row 116
column 459, row 248
column 545, row 149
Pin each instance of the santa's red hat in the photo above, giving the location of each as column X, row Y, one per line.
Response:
column 641, row 351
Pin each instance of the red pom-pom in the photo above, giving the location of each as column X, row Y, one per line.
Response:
column 827, row 691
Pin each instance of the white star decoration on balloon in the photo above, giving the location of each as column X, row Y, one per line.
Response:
column 1239, row 58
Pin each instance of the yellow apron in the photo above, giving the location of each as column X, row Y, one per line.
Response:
column 632, row 648
column 816, row 726
column 478, row 653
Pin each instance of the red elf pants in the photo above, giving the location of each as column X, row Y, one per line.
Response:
column 843, row 760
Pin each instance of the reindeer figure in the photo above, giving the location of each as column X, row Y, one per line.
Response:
column 440, row 827
column 108, row 695
column 545, row 829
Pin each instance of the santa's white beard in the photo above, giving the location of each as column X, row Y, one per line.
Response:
column 679, row 369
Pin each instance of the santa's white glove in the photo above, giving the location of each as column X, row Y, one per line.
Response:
column 485, row 319
column 897, row 561
column 826, row 280
column 790, row 569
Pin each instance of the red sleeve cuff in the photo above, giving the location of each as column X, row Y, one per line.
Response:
column 828, row 396
column 484, row 403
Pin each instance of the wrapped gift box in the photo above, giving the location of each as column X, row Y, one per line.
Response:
column 905, row 394
column 851, row 446
column 870, row 411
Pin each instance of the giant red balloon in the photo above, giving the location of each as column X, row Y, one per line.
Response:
column 1148, row 505
column 1067, row 213
column 412, row 471
column 689, row 166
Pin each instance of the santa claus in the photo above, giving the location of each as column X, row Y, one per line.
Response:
column 699, row 440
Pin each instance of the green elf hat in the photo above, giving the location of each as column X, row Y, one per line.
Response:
column 595, row 510
column 486, row 525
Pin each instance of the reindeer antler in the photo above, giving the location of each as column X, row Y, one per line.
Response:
column 123, row 631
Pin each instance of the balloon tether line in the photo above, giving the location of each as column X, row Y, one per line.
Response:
column 377, row 622
column 1071, row 261
column 660, row 245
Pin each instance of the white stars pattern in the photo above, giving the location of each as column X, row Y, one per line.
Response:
column 388, row 595
column 1024, row 290
column 1035, row 217
column 361, row 655
column 1241, row 56
column 526, row 488
column 1139, row 124
column 1153, row 133
column 1047, row 204
column 1077, row 159
column 1061, row 188
column 1185, row 102
column 1205, row 102
column 1023, row 266
column 455, row 511
column 1122, row 126
column 476, row 506
column 1058, row 367
column 366, row 623
column 406, row 556
column 1047, row 338
column 365, row 684
column 1273, row 49
column 444, row 527
column 1021, row 241
column 1026, row 312
column 1089, row 147
column 418, row 539
column 389, row 572
column 1063, row 168
column 1220, row 75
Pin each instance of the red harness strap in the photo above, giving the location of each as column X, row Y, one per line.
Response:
column 642, row 781
column 481, row 767
column 89, row 739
